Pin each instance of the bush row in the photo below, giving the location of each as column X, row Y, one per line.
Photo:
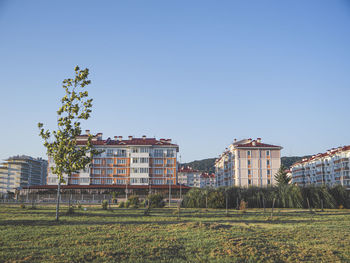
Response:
column 287, row 196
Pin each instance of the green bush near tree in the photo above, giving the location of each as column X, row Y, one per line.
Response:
column 156, row 200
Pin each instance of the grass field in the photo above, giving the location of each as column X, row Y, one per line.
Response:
column 31, row 235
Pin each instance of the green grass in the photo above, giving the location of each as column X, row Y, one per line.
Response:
column 32, row 235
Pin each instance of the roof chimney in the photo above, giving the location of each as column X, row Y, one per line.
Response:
column 235, row 140
column 254, row 143
column 99, row 136
column 87, row 132
column 250, row 140
column 258, row 140
column 144, row 137
column 130, row 137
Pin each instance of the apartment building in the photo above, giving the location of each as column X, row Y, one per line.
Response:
column 207, row 180
column 194, row 178
column 189, row 177
column 22, row 171
column 133, row 161
column 248, row 163
column 329, row 168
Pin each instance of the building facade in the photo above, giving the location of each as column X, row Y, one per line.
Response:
column 329, row 168
column 207, row 180
column 248, row 163
column 22, row 171
column 134, row 161
column 193, row 178
column 189, row 177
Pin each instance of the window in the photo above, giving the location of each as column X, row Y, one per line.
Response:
column 143, row 170
column 170, row 161
column 268, row 162
column 249, row 153
column 169, row 171
column 120, row 181
column 109, row 181
column 97, row 171
column 144, row 150
column 268, row 181
column 97, row 161
column 121, row 152
column 268, row 153
column 170, row 153
column 96, row 181
column 158, row 153
column 135, row 150
column 268, row 172
column 157, row 181
column 121, row 171
column 249, row 162
column 249, row 172
column 158, row 171
column 135, row 160
column 249, row 181
column 110, row 171
column 109, row 152
column 158, row 161
column 121, row 161
column 143, row 160
column 110, row 161
column 84, row 180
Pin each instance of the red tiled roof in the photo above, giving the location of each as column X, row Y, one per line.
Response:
column 319, row 155
column 257, row 144
column 187, row 170
column 207, row 175
column 133, row 141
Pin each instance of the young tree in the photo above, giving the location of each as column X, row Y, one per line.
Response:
column 61, row 144
column 281, row 176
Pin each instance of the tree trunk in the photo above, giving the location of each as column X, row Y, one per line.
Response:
column 273, row 204
column 264, row 205
column 58, row 199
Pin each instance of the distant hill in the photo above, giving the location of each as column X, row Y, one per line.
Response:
column 207, row 165
column 288, row 161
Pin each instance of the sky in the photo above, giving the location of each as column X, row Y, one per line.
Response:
column 199, row 72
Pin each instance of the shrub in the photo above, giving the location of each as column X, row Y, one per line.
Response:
column 70, row 210
column 243, row 205
column 122, row 204
column 127, row 204
column 156, row 201
column 104, row 204
column 79, row 205
column 216, row 199
column 134, row 201
column 23, row 206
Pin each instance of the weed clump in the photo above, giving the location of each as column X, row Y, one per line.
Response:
column 104, row 204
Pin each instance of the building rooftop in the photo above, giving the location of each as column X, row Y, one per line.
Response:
column 118, row 140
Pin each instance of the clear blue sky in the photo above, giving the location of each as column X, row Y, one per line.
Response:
column 199, row 72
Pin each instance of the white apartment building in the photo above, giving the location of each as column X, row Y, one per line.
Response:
column 189, row 177
column 329, row 168
column 22, row 171
column 134, row 161
column 194, row 178
column 207, row 180
column 248, row 163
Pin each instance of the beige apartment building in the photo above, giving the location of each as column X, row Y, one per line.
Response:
column 248, row 163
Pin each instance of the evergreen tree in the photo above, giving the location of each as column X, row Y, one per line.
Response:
column 281, row 176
